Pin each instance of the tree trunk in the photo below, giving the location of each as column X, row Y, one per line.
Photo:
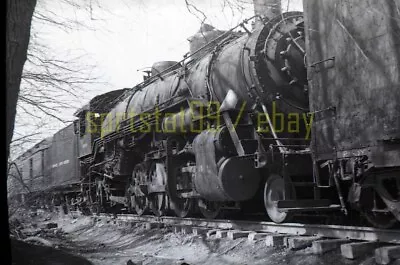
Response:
column 19, row 17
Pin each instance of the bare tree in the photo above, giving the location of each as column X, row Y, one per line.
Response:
column 263, row 8
column 52, row 83
column 40, row 85
column 19, row 17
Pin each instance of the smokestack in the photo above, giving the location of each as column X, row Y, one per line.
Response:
column 267, row 9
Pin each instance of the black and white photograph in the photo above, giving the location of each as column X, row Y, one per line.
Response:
column 188, row 132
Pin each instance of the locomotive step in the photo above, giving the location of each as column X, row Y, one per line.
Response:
column 306, row 205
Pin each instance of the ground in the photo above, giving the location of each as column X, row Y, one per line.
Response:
column 88, row 240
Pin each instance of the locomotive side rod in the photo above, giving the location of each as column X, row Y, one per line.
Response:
column 329, row 231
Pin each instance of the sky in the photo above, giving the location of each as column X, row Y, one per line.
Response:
column 132, row 34
column 120, row 37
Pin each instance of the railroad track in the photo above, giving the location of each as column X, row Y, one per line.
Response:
column 353, row 241
column 329, row 231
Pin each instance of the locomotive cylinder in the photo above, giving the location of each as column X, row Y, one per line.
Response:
column 221, row 178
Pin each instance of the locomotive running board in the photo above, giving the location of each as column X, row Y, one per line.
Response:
column 306, row 205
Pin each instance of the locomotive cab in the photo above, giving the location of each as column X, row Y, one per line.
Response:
column 90, row 118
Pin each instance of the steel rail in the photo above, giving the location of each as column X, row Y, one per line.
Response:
column 329, row 231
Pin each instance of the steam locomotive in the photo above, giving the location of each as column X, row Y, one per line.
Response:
column 300, row 114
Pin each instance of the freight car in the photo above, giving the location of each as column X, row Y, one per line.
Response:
column 300, row 113
column 29, row 172
column 47, row 173
column 353, row 52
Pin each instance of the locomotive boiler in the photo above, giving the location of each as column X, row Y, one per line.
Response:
column 191, row 131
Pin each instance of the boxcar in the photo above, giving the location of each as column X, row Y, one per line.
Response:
column 29, row 173
column 353, row 54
